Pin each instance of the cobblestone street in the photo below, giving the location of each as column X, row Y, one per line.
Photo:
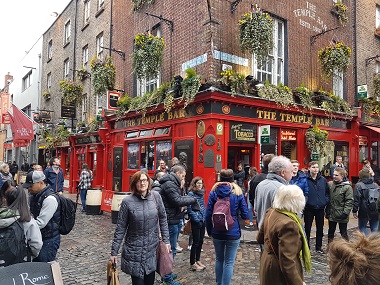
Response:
column 84, row 254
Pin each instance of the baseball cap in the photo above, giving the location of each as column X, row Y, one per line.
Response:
column 33, row 177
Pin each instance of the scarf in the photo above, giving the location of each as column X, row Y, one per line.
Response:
column 305, row 251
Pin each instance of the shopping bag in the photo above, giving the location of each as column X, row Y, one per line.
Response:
column 187, row 228
column 164, row 260
column 112, row 275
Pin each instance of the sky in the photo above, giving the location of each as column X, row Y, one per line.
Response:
column 22, row 23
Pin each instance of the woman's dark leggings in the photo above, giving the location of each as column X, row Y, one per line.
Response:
column 147, row 280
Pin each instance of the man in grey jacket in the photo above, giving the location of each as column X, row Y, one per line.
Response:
column 279, row 173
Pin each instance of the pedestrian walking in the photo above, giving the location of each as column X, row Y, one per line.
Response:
column 366, row 195
column 252, row 172
column 341, row 200
column 226, row 242
column 13, row 169
column 4, row 173
column 141, row 219
column 45, row 208
column 25, row 166
column 338, row 163
column 16, row 214
column 54, row 175
column 86, row 178
column 284, row 241
column 319, row 198
column 198, row 226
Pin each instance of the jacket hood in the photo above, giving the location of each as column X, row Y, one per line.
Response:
column 343, row 183
column 170, row 177
column 7, row 217
column 300, row 173
column 369, row 183
column 223, row 190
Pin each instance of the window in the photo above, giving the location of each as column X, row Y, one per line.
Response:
column 84, row 108
column 86, row 12
column 100, row 4
column 338, row 84
column 66, row 70
column 27, row 81
column 48, row 81
column 85, row 57
column 147, row 155
column 377, row 67
column 272, row 68
column 377, row 16
column 67, row 32
column 133, row 154
column 148, row 85
column 99, row 46
column 50, row 49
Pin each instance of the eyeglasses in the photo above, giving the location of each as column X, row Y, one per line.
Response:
column 199, row 182
column 141, row 181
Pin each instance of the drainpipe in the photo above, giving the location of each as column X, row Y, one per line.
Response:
column 355, row 56
column 111, row 27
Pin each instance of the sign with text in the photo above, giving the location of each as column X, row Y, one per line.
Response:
column 88, row 140
column 112, row 98
column 241, row 132
column 5, row 119
column 362, row 91
column 288, row 135
column 36, row 273
column 265, row 134
column 363, row 140
column 68, row 111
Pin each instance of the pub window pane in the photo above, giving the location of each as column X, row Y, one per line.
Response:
column 132, row 135
column 147, row 155
column 163, row 151
column 146, row 133
column 162, row 131
column 133, row 154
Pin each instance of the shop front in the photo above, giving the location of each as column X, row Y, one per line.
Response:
column 219, row 131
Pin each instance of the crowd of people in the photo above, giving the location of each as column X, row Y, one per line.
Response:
column 283, row 200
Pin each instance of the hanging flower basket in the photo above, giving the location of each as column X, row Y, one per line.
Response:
column 190, row 86
column 46, row 95
column 316, row 140
column 147, row 55
column 334, row 58
column 256, row 34
column 138, row 4
column 103, row 75
column 340, row 10
column 72, row 92
column 235, row 81
column 83, row 74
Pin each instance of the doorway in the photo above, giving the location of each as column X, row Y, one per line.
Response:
column 242, row 155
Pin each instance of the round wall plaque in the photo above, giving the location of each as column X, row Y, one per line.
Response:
column 201, row 129
column 209, row 140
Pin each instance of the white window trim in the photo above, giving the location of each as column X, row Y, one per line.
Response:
column 66, row 68
column 100, row 4
column 99, row 46
column 85, row 57
column 377, row 16
column 273, row 56
column 87, row 11
column 67, row 31
column 338, row 84
column 50, row 49
column 49, row 81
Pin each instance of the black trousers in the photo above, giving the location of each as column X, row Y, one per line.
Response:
column 342, row 229
column 147, row 280
column 198, row 231
column 309, row 216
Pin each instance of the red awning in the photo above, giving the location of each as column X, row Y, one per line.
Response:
column 374, row 129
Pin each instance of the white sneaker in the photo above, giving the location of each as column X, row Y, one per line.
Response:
column 178, row 248
column 189, row 247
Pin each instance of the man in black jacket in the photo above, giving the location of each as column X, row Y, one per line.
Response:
column 260, row 177
column 174, row 202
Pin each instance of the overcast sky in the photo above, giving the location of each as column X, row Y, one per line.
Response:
column 22, row 23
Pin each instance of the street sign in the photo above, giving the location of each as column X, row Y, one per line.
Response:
column 362, row 91
column 264, row 132
column 314, row 156
column 67, row 111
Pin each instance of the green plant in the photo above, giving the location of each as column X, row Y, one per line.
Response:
column 337, row 104
column 147, row 55
column 93, row 125
column 370, row 107
column 256, row 34
column 123, row 103
column 341, row 11
column 376, row 84
column 46, row 95
column 190, row 86
column 334, row 58
column 235, row 81
column 138, row 4
column 304, row 96
column 281, row 94
column 72, row 92
column 82, row 74
column 103, row 74
column 316, row 140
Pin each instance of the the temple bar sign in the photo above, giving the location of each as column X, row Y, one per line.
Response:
column 240, row 132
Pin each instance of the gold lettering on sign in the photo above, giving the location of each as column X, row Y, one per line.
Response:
column 261, row 114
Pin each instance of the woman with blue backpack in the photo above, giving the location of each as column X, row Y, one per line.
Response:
column 225, row 201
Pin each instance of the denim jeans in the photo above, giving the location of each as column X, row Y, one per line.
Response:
column 250, row 213
column 225, row 252
column 173, row 237
column 49, row 249
column 83, row 193
column 362, row 224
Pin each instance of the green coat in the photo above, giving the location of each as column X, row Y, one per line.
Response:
column 341, row 201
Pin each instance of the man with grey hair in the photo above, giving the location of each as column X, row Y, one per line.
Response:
column 338, row 163
column 279, row 173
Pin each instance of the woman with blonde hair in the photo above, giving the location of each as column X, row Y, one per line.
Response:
column 284, row 240
column 226, row 242
column 356, row 262
column 4, row 173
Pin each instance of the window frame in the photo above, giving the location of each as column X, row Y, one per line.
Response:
column 27, row 80
column 48, row 81
column 67, row 32
column 100, row 4
column 338, row 84
column 276, row 60
column 85, row 57
column 66, row 68
column 377, row 23
column 50, row 50
column 100, row 45
column 86, row 12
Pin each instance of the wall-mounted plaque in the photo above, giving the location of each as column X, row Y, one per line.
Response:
column 201, row 128
column 209, row 158
column 209, row 140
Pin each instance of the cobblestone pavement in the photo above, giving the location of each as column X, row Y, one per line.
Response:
column 84, row 254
